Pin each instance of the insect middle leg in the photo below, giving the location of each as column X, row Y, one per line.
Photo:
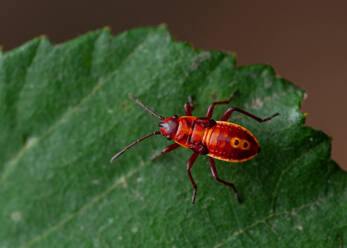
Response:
column 229, row 111
column 215, row 175
column 189, row 106
column 167, row 149
column 189, row 166
column 210, row 109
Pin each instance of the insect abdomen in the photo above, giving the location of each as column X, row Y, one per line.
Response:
column 231, row 142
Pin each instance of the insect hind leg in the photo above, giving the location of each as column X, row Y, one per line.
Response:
column 215, row 175
column 229, row 111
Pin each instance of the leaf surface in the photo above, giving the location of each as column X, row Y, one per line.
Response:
column 65, row 111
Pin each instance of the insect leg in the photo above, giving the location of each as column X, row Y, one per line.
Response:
column 229, row 111
column 166, row 150
column 189, row 106
column 215, row 175
column 210, row 109
column 189, row 166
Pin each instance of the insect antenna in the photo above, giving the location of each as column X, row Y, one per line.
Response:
column 132, row 144
column 145, row 107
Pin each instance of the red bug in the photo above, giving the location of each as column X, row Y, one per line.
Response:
column 204, row 136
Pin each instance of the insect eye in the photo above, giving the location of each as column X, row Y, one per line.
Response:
column 162, row 124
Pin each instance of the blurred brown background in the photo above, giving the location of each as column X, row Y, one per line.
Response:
column 305, row 41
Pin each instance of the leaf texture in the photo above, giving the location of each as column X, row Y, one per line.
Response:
column 65, row 111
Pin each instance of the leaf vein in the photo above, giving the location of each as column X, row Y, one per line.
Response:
column 285, row 170
column 270, row 216
column 97, row 198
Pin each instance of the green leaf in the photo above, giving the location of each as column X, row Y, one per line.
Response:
column 65, row 111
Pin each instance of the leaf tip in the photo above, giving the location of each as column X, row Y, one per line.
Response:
column 107, row 29
column 230, row 53
column 43, row 37
column 163, row 25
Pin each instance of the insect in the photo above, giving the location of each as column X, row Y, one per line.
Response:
column 204, row 136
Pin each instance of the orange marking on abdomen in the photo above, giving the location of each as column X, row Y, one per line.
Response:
column 207, row 136
column 235, row 142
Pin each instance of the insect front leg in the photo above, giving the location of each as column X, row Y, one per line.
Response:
column 215, row 175
column 210, row 109
column 229, row 111
column 166, row 150
column 189, row 106
column 189, row 166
